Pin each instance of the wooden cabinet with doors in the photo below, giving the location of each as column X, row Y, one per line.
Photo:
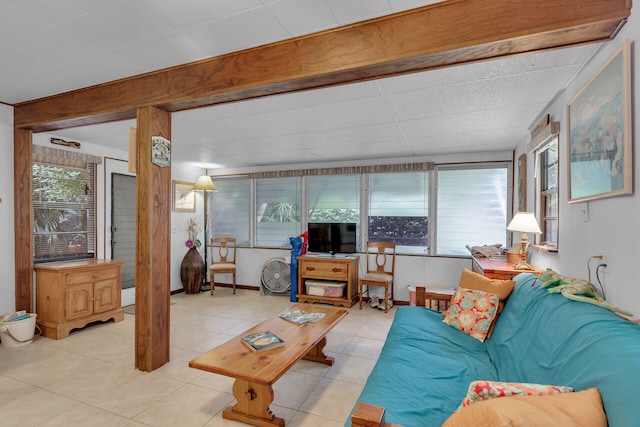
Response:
column 72, row 294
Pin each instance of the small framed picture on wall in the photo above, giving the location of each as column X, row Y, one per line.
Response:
column 184, row 199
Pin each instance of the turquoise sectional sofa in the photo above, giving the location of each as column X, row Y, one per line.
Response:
column 425, row 366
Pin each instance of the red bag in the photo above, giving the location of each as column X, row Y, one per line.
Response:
column 305, row 238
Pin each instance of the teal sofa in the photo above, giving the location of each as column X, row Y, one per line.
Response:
column 425, row 366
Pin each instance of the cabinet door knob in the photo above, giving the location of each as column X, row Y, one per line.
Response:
column 336, row 270
column 310, row 268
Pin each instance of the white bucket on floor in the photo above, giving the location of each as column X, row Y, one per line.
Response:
column 18, row 333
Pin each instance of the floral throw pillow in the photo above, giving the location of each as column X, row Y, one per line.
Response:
column 485, row 390
column 472, row 312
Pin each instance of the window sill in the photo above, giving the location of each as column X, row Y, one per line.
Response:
column 546, row 248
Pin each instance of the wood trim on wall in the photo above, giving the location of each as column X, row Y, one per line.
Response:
column 437, row 35
column 23, row 218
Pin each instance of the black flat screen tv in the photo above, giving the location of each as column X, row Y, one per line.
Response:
column 332, row 237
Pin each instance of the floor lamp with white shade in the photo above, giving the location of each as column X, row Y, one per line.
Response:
column 205, row 184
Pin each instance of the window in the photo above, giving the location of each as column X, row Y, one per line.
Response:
column 547, row 184
column 335, row 198
column 471, row 207
column 63, row 207
column 424, row 208
column 277, row 211
column 230, row 209
column 398, row 210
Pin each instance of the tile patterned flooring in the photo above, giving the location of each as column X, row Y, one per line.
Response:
column 89, row 378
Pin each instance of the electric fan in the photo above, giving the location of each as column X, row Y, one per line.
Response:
column 275, row 277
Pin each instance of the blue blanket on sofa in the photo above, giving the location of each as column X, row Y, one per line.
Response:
column 548, row 339
column 425, row 366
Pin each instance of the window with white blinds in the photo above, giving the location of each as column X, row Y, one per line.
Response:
column 277, row 211
column 427, row 210
column 63, row 208
column 230, row 209
column 472, row 207
column 398, row 210
column 335, row 198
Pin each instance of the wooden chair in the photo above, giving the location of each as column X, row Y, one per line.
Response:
column 223, row 259
column 381, row 261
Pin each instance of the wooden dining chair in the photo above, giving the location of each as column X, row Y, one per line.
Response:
column 223, row 259
column 381, row 261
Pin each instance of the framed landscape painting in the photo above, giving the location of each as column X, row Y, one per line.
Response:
column 600, row 132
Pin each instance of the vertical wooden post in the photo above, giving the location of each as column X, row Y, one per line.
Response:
column 153, row 198
column 23, row 218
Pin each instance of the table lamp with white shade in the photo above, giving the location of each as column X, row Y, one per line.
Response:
column 524, row 222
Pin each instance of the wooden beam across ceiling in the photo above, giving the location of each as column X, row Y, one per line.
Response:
column 443, row 34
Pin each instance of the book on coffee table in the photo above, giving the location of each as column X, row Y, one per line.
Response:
column 299, row 316
column 262, row 341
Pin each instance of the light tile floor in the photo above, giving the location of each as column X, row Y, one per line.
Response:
column 89, row 378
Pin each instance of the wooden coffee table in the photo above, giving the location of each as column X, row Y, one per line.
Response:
column 255, row 373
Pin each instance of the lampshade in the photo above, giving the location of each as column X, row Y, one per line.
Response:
column 524, row 222
column 204, row 182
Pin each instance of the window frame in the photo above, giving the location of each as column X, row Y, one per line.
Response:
column 544, row 193
column 90, row 206
column 426, row 178
column 431, row 197
column 293, row 212
column 214, row 200
column 311, row 200
column 433, row 209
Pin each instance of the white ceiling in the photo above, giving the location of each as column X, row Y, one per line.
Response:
column 53, row 46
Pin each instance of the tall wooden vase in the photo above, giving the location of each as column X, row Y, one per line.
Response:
column 192, row 271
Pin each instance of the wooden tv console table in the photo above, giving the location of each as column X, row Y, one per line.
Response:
column 331, row 268
column 72, row 294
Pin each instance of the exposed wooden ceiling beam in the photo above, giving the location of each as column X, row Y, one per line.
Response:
column 443, row 34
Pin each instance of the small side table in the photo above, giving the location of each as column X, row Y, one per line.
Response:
column 435, row 299
column 497, row 269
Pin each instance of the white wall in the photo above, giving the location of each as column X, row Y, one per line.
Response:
column 183, row 172
column 613, row 224
column 433, row 272
column 7, row 261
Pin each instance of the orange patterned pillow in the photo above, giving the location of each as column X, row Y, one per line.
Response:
column 472, row 312
column 485, row 390
column 478, row 282
column 582, row 408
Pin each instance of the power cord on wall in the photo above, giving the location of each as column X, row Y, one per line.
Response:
column 597, row 272
column 598, row 278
